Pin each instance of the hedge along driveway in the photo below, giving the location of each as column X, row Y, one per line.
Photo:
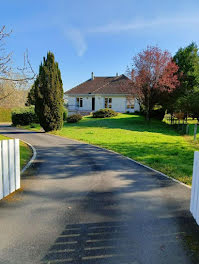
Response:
column 154, row 144
column 25, row 152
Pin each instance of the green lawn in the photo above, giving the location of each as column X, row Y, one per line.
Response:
column 155, row 144
column 25, row 152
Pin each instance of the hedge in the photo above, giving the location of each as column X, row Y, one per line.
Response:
column 24, row 117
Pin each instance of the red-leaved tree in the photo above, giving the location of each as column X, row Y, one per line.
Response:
column 153, row 75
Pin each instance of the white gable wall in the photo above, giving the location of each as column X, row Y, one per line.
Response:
column 99, row 102
column 71, row 100
column 119, row 103
column 87, row 103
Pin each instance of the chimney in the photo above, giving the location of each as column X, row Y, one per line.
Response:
column 92, row 76
column 116, row 74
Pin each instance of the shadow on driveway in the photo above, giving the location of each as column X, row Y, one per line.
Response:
column 103, row 242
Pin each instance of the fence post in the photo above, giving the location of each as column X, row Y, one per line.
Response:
column 194, row 205
column 195, row 131
column 1, row 174
column 17, row 164
column 187, row 129
column 5, row 171
column 183, row 131
column 11, row 153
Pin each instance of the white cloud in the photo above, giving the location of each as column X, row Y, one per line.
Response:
column 77, row 38
column 118, row 27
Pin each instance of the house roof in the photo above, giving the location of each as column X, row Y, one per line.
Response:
column 103, row 85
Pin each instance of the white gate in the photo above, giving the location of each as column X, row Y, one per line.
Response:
column 9, row 166
column 194, row 207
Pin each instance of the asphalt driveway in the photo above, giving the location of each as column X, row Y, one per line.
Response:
column 82, row 204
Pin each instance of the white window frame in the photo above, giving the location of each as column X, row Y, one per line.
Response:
column 130, row 103
column 79, row 102
column 108, row 102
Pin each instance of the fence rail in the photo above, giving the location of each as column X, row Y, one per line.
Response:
column 9, row 166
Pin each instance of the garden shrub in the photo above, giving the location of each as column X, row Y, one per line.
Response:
column 74, row 118
column 25, row 116
column 102, row 113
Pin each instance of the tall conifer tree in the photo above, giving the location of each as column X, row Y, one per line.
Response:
column 49, row 94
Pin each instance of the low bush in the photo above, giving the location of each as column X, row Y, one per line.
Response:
column 102, row 113
column 24, row 117
column 74, row 118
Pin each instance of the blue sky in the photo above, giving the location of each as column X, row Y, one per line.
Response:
column 99, row 36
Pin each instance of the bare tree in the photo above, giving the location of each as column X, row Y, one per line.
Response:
column 5, row 59
column 15, row 77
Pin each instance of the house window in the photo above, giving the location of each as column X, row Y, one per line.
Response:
column 108, row 102
column 130, row 104
column 79, row 101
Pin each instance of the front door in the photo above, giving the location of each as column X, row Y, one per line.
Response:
column 93, row 103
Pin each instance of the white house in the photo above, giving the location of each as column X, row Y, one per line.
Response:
column 102, row 92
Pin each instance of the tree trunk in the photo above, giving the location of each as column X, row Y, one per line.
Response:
column 147, row 115
column 148, row 109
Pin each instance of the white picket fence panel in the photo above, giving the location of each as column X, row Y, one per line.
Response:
column 9, row 166
column 194, row 206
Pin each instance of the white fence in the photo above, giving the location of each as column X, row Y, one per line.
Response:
column 9, row 166
column 194, row 207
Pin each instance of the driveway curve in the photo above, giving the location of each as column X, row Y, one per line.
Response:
column 83, row 204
